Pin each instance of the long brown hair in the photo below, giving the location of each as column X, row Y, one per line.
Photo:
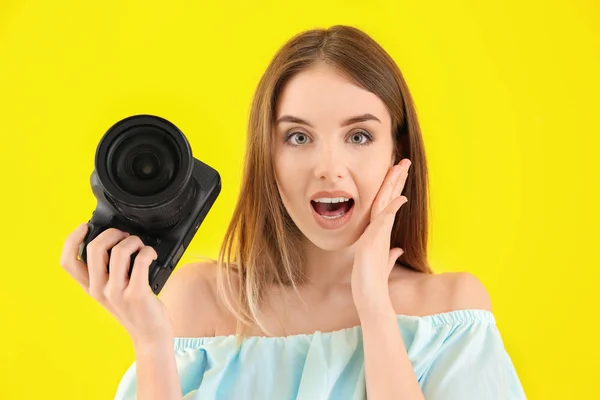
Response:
column 261, row 244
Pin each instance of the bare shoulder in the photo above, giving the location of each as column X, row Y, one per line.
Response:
column 190, row 298
column 462, row 290
column 417, row 293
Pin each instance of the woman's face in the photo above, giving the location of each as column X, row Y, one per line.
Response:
column 333, row 142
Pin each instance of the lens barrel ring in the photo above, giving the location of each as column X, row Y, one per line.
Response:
column 154, row 138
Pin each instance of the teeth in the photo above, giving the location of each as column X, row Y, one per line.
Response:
column 332, row 216
column 331, row 199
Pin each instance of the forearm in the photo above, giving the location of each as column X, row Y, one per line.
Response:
column 388, row 371
column 156, row 372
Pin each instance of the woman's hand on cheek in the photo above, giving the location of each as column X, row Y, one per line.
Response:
column 374, row 260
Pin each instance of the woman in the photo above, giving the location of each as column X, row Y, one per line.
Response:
column 322, row 289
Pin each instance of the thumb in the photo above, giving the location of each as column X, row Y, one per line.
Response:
column 394, row 254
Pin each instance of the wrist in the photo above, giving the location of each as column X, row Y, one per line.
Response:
column 374, row 307
column 150, row 346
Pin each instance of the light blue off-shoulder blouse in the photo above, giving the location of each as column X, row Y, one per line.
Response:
column 457, row 355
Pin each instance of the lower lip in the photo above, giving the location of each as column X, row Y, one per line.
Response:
column 333, row 223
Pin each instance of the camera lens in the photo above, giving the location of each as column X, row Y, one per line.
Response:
column 144, row 165
column 144, row 162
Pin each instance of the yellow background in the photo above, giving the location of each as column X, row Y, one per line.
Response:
column 507, row 94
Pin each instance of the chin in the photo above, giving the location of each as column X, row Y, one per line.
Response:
column 331, row 243
column 332, row 240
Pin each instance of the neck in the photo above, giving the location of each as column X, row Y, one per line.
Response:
column 328, row 270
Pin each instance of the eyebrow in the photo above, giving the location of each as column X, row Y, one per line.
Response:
column 349, row 121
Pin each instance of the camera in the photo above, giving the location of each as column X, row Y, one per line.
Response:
column 147, row 183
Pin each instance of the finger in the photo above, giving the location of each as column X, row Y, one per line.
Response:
column 401, row 182
column 389, row 214
column 399, row 170
column 385, row 221
column 139, row 283
column 395, row 253
column 385, row 191
column 396, row 182
column 97, row 259
column 119, row 264
column 68, row 258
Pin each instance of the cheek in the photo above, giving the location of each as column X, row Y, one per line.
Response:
column 289, row 177
column 370, row 179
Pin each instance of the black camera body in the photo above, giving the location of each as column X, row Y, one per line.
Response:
column 148, row 184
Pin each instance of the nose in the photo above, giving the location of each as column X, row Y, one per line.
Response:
column 330, row 164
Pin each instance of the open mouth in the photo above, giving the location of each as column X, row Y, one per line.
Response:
column 332, row 210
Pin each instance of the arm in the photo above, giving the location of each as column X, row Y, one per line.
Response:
column 189, row 298
column 156, row 371
column 151, row 323
column 388, row 371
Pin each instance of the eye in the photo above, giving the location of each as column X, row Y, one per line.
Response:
column 361, row 138
column 300, row 138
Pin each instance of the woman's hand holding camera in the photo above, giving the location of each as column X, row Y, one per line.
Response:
column 130, row 300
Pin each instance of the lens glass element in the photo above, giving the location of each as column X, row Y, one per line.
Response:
column 143, row 161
